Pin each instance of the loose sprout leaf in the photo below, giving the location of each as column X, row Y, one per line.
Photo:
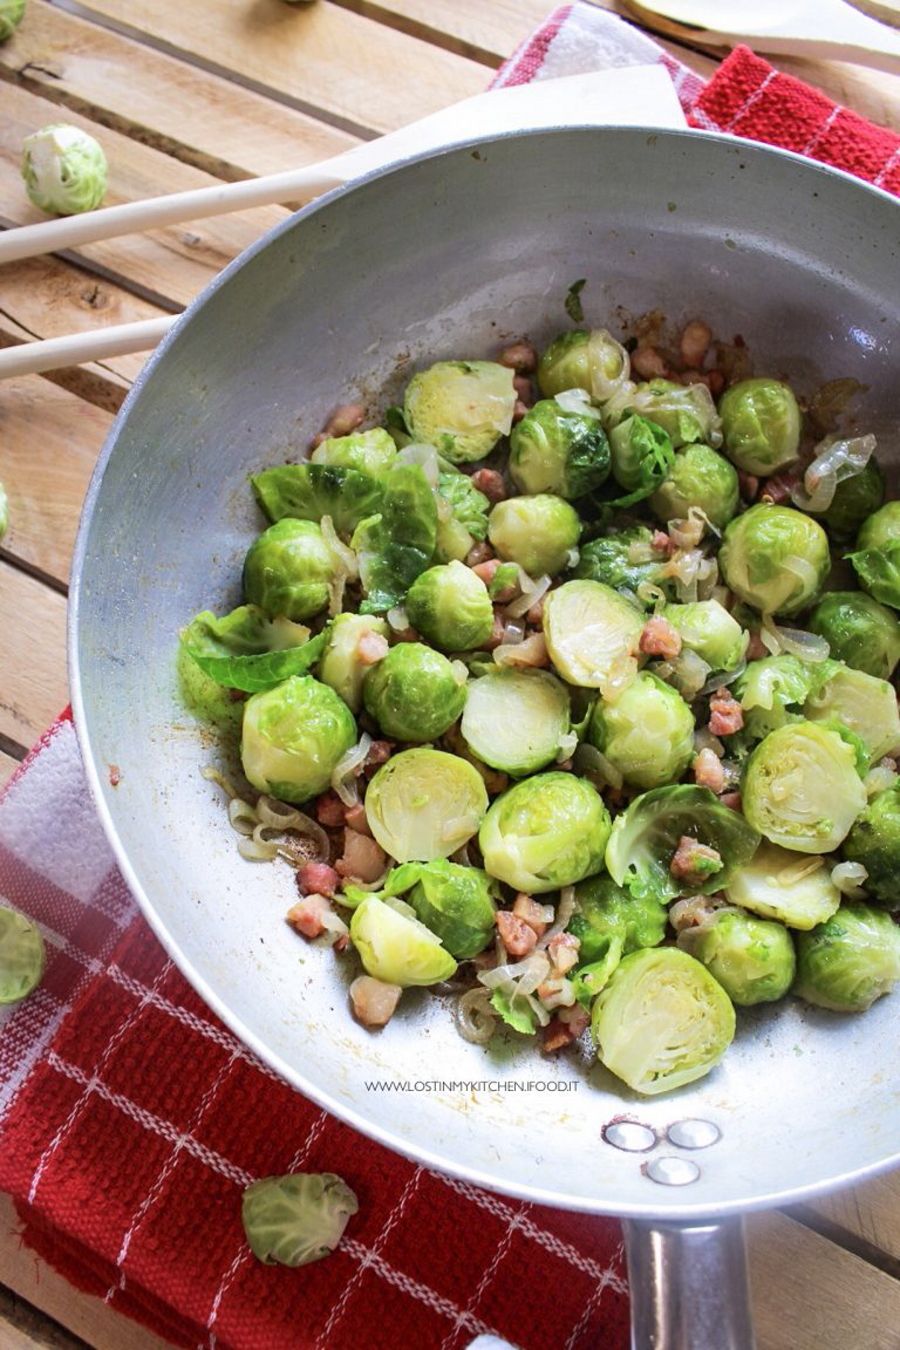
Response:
column 21, row 956
column 293, row 1220
column 469, row 506
column 396, row 545
column 247, row 650
column 686, row 413
column 311, row 491
column 516, row 1010
column 573, row 305
column 642, row 456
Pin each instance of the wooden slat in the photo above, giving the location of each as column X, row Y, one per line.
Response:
column 8, row 766
column 356, row 72
column 870, row 1211
column 201, row 118
column 33, row 688
column 50, row 440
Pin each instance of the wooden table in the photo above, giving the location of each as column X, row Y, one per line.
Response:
column 183, row 93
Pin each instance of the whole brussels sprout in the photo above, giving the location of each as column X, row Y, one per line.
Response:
column 753, row 959
column 591, row 361
column 609, row 924
column 647, row 733
column 850, row 960
column 685, row 412
column 396, row 947
column 775, row 558
column 539, row 533
column 516, row 720
column 854, row 499
column 64, row 169
column 455, row 903
column 562, row 450
column 874, row 841
column 545, row 832
column 21, row 956
column 708, row 629
column 462, row 408
column 627, row 561
column 699, row 477
column 859, row 631
column 591, row 631
column 341, row 666
column 642, row 456
column 772, row 692
column 864, row 704
column 761, row 425
column 11, row 15
column 413, row 693
column 296, row 1219
column 425, row 804
column 288, row 570
column 450, row 606
column 371, row 452
column 877, row 557
column 293, row 736
column 654, row 1051
column 778, row 883
column 801, row 788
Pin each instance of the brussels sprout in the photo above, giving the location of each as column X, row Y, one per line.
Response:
column 288, row 570
column 591, row 361
column 413, row 693
column 877, row 557
column 11, row 14
column 708, row 629
column 455, row 903
column 311, row 491
column 686, row 412
column 515, row 720
column 850, row 960
column 293, row 736
column 450, row 607
column 642, row 457
column 699, row 477
column 627, row 561
column 341, row 666
column 398, row 543
column 662, row 1021
column 372, row 452
column 462, row 408
column 646, row 835
column 801, row 788
column 859, row 631
column 590, row 631
column 854, row 499
column 647, row 733
column 296, row 1219
column 64, row 169
column 753, row 959
column 21, row 956
column 545, row 832
column 778, row 884
column 874, row 841
column 772, row 693
column 467, row 519
column 609, row 923
column 775, row 558
column 424, row 804
column 559, row 450
column 246, row 650
column 539, row 533
column 397, row 948
column 761, row 425
column 866, row 705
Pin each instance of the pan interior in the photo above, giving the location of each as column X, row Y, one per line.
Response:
column 448, row 257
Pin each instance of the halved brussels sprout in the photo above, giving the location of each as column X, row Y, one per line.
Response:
column 341, row 666
column 455, row 903
column 859, row 631
column 372, row 452
column 293, row 736
column 311, row 491
column 700, row 477
column 462, row 516
column 21, row 956
column 450, row 606
column 591, row 632
column 539, row 533
column 627, row 561
column 288, row 570
column 609, row 923
column 874, row 841
column 296, row 1219
column 778, row 884
column 559, row 450
column 591, row 361
column 425, row 804
column 753, row 959
column 662, row 1021
column 801, row 788
column 866, row 705
column 850, row 960
column 686, row 412
column 64, row 169
column 646, row 835
column 414, row 693
column 772, row 692
column 877, row 557
column 854, row 499
column 545, row 832
column 515, row 720
column 246, row 650
column 708, row 629
column 397, row 948
column 775, row 558
column 642, row 457
column 462, row 408
column 647, row 733
column 761, row 425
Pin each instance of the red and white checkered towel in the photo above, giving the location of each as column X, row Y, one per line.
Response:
column 131, row 1119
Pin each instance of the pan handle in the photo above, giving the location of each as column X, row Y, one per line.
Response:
column 689, row 1286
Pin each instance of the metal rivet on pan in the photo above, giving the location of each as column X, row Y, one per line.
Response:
column 629, row 1135
column 693, row 1133
column 672, row 1171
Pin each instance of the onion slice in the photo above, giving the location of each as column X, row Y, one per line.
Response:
column 836, row 460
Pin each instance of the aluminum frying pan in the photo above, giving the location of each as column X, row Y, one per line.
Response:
column 443, row 256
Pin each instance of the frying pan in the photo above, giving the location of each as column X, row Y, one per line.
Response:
column 449, row 255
